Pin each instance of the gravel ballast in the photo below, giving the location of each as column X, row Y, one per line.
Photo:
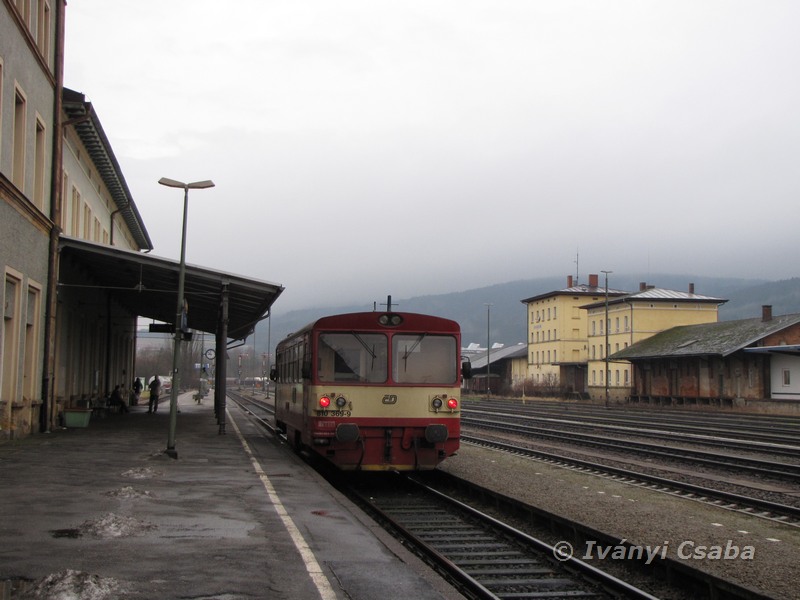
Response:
column 767, row 552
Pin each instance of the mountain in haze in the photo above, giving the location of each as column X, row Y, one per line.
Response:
column 497, row 313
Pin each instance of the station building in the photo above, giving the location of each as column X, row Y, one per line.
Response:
column 74, row 248
column 746, row 362
column 557, row 334
column 572, row 332
column 626, row 319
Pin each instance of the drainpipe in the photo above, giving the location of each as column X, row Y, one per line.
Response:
column 114, row 214
column 46, row 412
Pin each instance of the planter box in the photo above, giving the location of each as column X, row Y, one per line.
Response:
column 77, row 417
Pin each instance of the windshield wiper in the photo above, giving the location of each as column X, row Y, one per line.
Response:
column 371, row 351
column 410, row 350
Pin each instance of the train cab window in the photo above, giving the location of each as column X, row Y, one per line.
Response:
column 421, row 358
column 353, row 357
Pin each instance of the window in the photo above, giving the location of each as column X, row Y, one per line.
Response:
column 787, row 377
column 75, row 226
column 64, row 202
column 352, row 357
column 626, row 322
column 11, row 322
column 421, row 358
column 18, row 147
column 24, row 8
column 1, row 101
column 87, row 222
column 29, row 375
column 43, row 29
column 39, row 165
column 616, row 324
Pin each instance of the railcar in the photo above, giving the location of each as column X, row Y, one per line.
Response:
column 372, row 391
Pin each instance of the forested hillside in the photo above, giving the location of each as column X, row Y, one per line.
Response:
column 504, row 320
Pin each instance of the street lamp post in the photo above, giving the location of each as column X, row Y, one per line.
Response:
column 488, row 348
column 179, row 313
column 606, row 349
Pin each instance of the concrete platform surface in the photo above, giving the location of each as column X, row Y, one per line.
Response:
column 102, row 512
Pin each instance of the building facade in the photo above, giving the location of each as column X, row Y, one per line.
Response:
column 628, row 319
column 95, row 336
column 31, row 47
column 557, row 334
column 71, row 245
column 58, row 175
column 729, row 363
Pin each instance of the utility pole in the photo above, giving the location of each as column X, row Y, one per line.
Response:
column 607, row 325
column 488, row 347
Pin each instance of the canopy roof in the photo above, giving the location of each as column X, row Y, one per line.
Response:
column 147, row 286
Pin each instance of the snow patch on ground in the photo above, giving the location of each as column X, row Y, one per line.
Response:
column 72, row 585
column 141, row 473
column 114, row 526
column 129, row 492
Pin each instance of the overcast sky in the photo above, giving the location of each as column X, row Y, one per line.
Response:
column 374, row 147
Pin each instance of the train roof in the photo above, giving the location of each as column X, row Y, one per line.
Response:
column 371, row 321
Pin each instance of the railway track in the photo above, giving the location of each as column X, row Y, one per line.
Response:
column 701, row 427
column 789, row 515
column 485, row 558
column 758, row 467
column 480, row 555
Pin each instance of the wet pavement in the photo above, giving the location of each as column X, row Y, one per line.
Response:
column 105, row 513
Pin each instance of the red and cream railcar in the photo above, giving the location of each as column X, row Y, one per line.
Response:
column 373, row 390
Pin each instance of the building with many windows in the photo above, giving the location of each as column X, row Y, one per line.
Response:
column 31, row 47
column 557, row 336
column 752, row 362
column 624, row 320
column 572, row 332
column 72, row 245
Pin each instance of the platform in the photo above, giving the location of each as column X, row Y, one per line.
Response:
column 104, row 510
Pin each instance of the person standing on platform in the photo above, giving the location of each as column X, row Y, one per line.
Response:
column 155, row 392
column 137, row 389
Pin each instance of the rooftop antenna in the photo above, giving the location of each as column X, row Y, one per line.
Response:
column 388, row 304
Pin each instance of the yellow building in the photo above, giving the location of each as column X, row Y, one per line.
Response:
column 557, row 335
column 627, row 319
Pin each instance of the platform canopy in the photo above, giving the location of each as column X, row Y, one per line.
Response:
column 147, row 286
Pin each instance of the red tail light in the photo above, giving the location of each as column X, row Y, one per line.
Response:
column 324, row 402
column 452, row 403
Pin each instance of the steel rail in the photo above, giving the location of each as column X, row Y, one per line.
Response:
column 737, row 502
column 785, row 471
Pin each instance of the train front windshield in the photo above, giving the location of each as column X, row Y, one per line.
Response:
column 364, row 357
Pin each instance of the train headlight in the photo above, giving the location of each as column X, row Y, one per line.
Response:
column 437, row 403
column 324, row 401
column 452, row 404
column 390, row 319
column 340, row 401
